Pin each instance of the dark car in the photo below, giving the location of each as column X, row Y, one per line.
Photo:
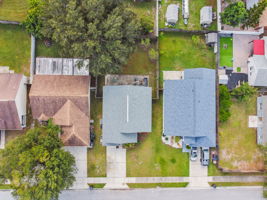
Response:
column 205, row 156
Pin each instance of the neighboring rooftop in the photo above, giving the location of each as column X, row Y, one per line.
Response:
column 251, row 3
column 61, row 66
column 9, row 86
column 190, row 107
column 206, row 15
column 257, row 64
column 65, row 99
column 172, row 13
column 127, row 110
column 262, row 115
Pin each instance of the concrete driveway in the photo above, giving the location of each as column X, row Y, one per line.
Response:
column 242, row 49
column 80, row 154
column 198, row 173
column 116, row 167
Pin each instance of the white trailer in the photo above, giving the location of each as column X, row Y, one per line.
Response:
column 186, row 11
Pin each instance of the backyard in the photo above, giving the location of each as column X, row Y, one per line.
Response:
column 238, row 150
column 13, row 10
column 180, row 51
column 226, row 51
column 44, row 51
column 194, row 14
column 151, row 157
column 15, row 48
column 96, row 157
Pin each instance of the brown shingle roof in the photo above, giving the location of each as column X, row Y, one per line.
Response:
column 9, row 84
column 65, row 99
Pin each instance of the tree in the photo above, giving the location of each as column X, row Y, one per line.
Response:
column 244, row 92
column 36, row 164
column 100, row 30
column 255, row 13
column 33, row 22
column 234, row 14
column 224, row 103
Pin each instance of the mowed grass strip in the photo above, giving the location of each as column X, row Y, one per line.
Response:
column 154, row 185
column 13, row 10
column 96, row 157
column 15, row 48
column 153, row 158
column 238, row 149
column 226, row 51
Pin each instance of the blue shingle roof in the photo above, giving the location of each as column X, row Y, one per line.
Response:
column 127, row 110
column 190, row 107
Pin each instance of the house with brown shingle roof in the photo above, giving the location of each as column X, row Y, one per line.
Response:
column 13, row 95
column 65, row 99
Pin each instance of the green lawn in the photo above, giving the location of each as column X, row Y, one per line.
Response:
column 44, row 51
column 15, row 48
column 140, row 64
column 151, row 157
column 13, row 10
column 229, row 184
column 226, row 51
column 5, row 187
column 237, row 143
column 96, row 157
column 194, row 10
column 97, row 185
column 179, row 51
column 154, row 185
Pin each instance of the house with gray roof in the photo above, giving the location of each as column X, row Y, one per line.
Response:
column 257, row 64
column 127, row 111
column 189, row 108
column 259, row 122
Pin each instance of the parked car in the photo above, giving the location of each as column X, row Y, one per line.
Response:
column 193, row 154
column 205, row 156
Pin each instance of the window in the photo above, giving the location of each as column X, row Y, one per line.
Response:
column 23, row 120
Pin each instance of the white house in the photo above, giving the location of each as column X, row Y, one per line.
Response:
column 257, row 64
column 13, row 98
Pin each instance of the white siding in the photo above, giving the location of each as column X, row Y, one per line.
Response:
column 21, row 98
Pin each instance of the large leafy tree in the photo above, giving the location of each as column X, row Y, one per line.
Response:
column 100, row 30
column 255, row 13
column 234, row 14
column 244, row 92
column 36, row 165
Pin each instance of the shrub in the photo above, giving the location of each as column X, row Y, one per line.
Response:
column 33, row 23
column 129, row 145
column 244, row 92
column 153, row 54
column 145, row 43
column 147, row 25
column 224, row 103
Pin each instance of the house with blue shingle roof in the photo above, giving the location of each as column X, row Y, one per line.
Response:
column 127, row 111
column 190, row 108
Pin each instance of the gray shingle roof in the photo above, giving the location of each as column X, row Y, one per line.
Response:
column 190, row 107
column 127, row 111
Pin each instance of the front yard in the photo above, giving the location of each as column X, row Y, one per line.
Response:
column 179, row 51
column 194, row 14
column 15, row 48
column 13, row 10
column 238, row 150
column 151, row 157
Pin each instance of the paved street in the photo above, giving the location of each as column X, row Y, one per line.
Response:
column 248, row 193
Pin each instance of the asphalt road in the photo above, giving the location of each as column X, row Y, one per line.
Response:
column 245, row 193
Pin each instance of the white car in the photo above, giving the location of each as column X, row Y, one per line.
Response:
column 193, row 154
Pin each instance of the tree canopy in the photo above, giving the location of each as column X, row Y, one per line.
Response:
column 244, row 92
column 33, row 22
column 100, row 30
column 36, row 165
column 234, row 14
column 255, row 13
